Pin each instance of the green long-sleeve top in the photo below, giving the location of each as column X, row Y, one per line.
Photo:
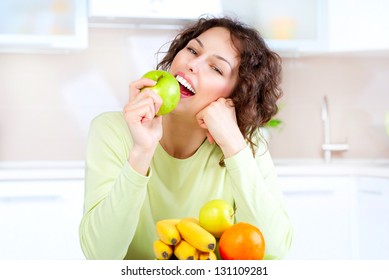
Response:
column 122, row 206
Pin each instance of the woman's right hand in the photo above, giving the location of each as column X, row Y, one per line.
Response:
column 145, row 127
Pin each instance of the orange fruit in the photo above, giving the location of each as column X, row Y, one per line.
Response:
column 242, row 241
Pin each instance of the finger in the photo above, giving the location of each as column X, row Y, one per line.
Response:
column 210, row 138
column 226, row 101
column 137, row 86
column 148, row 116
column 142, row 83
column 148, row 93
column 141, row 109
column 230, row 102
column 157, row 100
column 202, row 124
column 200, row 119
column 158, row 120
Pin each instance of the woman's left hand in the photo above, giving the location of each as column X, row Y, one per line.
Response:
column 219, row 120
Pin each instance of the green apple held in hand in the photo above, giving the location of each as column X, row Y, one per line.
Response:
column 167, row 87
column 216, row 216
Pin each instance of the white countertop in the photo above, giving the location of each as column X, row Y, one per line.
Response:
column 41, row 170
column 317, row 167
column 74, row 170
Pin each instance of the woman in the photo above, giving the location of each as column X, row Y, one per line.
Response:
column 141, row 168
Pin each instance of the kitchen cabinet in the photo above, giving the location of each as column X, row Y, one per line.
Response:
column 159, row 13
column 43, row 25
column 319, row 211
column 373, row 213
column 40, row 219
column 306, row 27
column 358, row 25
column 338, row 217
column 290, row 27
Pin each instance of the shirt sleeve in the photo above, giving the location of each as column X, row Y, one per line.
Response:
column 259, row 199
column 114, row 192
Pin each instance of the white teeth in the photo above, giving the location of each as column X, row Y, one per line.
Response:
column 185, row 83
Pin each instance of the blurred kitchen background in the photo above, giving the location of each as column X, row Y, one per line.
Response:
column 62, row 62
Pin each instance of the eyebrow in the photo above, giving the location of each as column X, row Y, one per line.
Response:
column 217, row 56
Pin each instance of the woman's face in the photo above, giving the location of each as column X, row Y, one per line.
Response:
column 207, row 69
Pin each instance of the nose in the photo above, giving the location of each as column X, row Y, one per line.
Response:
column 194, row 64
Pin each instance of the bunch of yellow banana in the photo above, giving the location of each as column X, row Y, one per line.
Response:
column 184, row 239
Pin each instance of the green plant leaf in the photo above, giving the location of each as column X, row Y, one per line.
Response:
column 273, row 123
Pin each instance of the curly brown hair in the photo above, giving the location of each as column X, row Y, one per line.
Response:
column 258, row 87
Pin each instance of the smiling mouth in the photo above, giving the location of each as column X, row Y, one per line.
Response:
column 186, row 89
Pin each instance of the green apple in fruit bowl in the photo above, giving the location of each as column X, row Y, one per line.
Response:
column 167, row 87
column 216, row 216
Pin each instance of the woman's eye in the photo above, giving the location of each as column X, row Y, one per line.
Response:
column 217, row 70
column 191, row 50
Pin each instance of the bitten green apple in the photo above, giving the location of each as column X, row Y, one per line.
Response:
column 167, row 87
column 216, row 216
